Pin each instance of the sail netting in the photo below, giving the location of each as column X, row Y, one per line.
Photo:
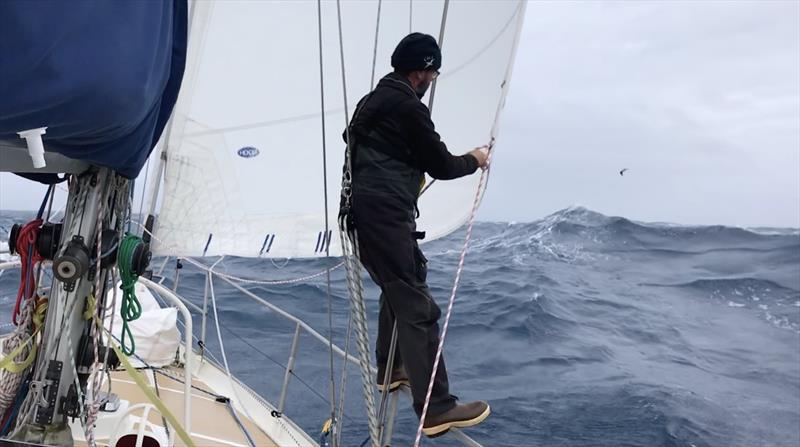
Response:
column 244, row 171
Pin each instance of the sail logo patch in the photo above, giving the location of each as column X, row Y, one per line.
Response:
column 248, row 152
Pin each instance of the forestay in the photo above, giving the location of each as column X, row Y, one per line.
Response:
column 244, row 161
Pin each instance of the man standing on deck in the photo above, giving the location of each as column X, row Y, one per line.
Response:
column 393, row 145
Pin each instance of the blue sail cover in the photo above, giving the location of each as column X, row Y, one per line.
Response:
column 102, row 76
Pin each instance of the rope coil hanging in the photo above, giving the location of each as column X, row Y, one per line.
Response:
column 131, row 309
column 20, row 348
column 349, row 241
column 358, row 310
column 29, row 257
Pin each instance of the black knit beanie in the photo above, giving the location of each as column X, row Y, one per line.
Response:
column 417, row 51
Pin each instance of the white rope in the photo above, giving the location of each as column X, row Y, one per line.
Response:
column 94, row 406
column 100, row 369
column 122, row 217
column 279, row 267
column 10, row 382
column 241, row 280
column 106, row 309
column 478, row 195
column 359, row 313
column 81, row 397
column 122, row 194
column 352, row 266
column 262, row 282
column 457, row 280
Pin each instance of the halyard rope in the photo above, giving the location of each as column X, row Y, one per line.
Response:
column 459, row 270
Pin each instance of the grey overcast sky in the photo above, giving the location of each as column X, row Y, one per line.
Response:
column 699, row 100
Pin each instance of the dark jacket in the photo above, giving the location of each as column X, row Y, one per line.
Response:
column 395, row 143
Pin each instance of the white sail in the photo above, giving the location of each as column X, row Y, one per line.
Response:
column 244, row 159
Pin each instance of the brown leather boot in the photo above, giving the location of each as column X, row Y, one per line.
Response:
column 460, row 416
column 398, row 379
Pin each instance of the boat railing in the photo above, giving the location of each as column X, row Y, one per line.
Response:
column 300, row 326
column 176, row 301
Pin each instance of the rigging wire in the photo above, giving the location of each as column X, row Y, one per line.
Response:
column 332, row 385
column 441, row 43
column 436, row 80
column 410, row 15
column 375, row 49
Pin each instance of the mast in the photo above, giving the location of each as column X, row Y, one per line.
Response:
column 95, row 212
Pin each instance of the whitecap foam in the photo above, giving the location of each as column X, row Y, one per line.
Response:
column 782, row 322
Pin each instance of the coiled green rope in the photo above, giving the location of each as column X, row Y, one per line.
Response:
column 131, row 308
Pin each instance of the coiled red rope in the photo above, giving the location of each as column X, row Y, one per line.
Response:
column 29, row 257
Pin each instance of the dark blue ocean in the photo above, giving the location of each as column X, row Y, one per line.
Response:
column 580, row 330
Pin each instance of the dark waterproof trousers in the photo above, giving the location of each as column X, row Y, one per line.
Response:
column 389, row 251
